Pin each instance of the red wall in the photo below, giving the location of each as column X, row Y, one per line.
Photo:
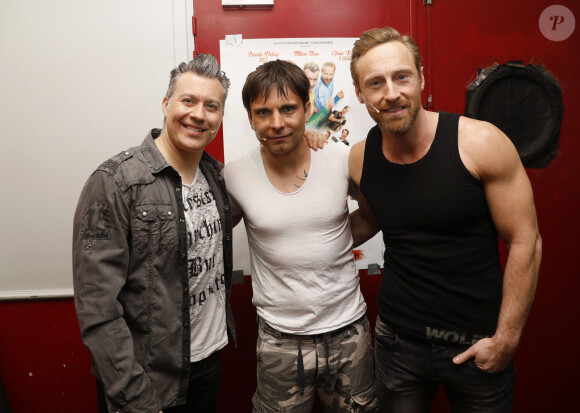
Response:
column 45, row 367
column 500, row 31
column 43, row 364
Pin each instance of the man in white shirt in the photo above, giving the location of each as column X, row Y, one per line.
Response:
column 313, row 332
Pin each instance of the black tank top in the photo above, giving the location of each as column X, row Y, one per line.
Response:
column 442, row 279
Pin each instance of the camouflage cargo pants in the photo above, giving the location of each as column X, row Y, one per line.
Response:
column 292, row 369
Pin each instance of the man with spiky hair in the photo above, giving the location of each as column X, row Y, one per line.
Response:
column 152, row 258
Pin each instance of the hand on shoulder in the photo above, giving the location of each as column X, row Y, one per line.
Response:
column 315, row 140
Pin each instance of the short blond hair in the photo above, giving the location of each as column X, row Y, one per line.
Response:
column 375, row 37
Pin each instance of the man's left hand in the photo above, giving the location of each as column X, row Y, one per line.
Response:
column 490, row 355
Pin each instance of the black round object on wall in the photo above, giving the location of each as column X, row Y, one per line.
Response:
column 525, row 102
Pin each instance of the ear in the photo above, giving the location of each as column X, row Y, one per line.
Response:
column 164, row 105
column 358, row 94
column 422, row 79
column 307, row 111
column 252, row 125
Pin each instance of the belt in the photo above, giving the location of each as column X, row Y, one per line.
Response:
column 267, row 328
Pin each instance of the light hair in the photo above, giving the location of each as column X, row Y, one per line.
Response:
column 329, row 64
column 375, row 37
column 204, row 65
column 312, row 66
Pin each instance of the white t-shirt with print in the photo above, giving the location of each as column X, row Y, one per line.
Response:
column 205, row 268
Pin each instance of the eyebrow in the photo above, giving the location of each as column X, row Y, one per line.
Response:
column 284, row 105
column 255, row 109
column 379, row 74
column 191, row 95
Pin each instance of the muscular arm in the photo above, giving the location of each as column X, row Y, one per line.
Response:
column 492, row 158
column 363, row 223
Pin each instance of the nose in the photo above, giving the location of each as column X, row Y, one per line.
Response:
column 276, row 120
column 392, row 92
column 197, row 112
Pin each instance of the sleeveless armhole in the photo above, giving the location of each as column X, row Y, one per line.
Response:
column 370, row 156
column 452, row 120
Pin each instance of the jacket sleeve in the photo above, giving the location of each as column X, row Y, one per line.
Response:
column 100, row 266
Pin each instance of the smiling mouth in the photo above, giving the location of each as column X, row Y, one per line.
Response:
column 194, row 129
column 273, row 138
column 397, row 109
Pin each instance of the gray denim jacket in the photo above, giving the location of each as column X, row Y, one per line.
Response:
column 130, row 276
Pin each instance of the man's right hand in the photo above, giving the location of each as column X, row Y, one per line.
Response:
column 315, row 139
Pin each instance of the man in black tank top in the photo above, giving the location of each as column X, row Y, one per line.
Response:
column 441, row 188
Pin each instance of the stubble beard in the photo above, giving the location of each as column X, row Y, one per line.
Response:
column 397, row 126
column 278, row 148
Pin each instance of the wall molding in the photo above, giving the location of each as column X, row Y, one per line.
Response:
column 25, row 295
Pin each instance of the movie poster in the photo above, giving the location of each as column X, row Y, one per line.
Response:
column 338, row 113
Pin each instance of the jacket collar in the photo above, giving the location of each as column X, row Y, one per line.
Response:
column 153, row 157
column 157, row 162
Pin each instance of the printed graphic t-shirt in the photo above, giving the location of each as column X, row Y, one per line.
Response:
column 205, row 267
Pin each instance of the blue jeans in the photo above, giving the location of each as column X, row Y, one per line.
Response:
column 409, row 372
column 204, row 382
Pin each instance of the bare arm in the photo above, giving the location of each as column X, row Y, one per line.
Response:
column 363, row 223
column 491, row 157
column 362, row 229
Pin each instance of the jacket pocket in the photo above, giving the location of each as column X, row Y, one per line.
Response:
column 167, row 227
column 154, row 228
